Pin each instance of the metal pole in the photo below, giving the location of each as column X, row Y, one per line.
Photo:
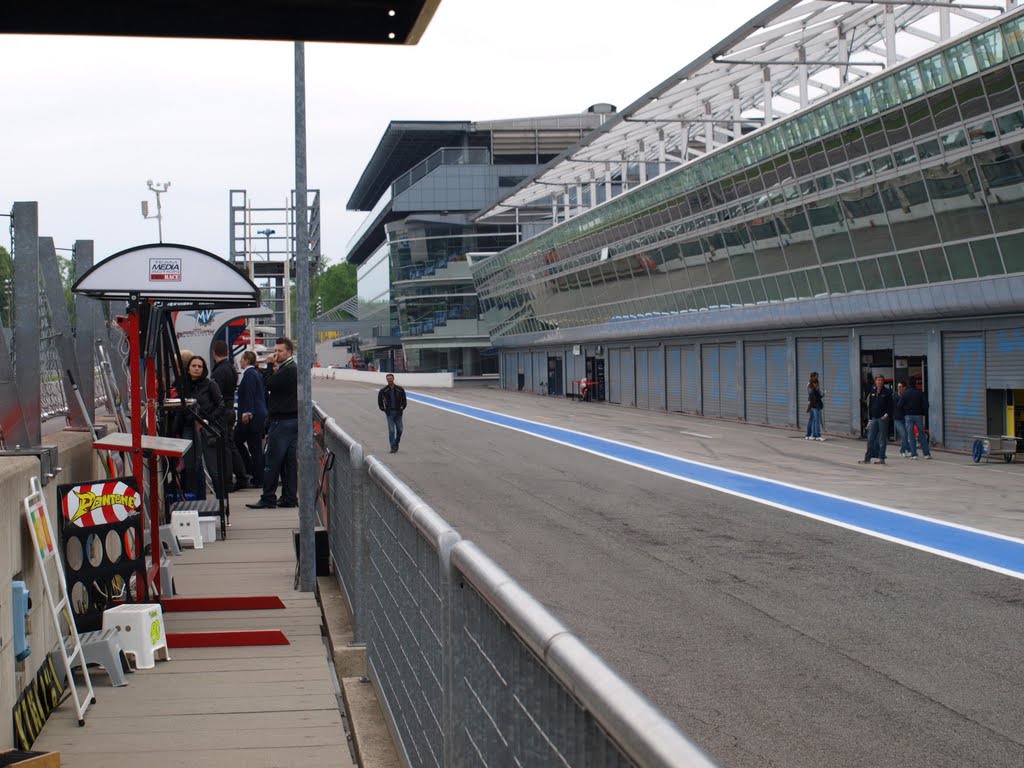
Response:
column 86, row 317
column 27, row 331
column 304, row 360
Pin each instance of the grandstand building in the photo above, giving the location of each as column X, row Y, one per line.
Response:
column 418, row 308
column 835, row 187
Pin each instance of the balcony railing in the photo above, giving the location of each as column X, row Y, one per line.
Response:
column 443, row 156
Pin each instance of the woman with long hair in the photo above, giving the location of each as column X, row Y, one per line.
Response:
column 815, row 404
column 210, row 406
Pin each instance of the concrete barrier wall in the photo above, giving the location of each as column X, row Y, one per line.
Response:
column 78, row 462
column 408, row 380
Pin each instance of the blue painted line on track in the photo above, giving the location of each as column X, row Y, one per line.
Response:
column 987, row 550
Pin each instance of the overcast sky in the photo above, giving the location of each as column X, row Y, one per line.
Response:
column 86, row 121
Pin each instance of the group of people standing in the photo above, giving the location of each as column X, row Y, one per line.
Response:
column 243, row 409
column 906, row 410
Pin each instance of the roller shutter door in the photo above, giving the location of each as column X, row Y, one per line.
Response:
column 728, row 359
column 1004, row 359
column 754, row 389
column 963, row 388
column 691, row 380
column 808, row 359
column 876, row 342
column 614, row 374
column 526, row 360
column 710, row 386
column 835, row 380
column 540, row 373
column 642, row 378
column 656, row 379
column 628, row 391
column 777, row 385
column 508, row 370
column 674, row 378
column 911, row 344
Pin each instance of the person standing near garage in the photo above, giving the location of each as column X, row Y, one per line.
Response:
column 879, row 415
column 915, row 406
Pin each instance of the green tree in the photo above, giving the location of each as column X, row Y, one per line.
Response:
column 333, row 286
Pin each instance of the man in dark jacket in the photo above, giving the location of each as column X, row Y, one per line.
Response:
column 223, row 372
column 251, row 404
column 282, row 431
column 391, row 400
column 915, row 406
column 879, row 414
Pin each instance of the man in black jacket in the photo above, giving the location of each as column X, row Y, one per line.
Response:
column 915, row 406
column 282, row 431
column 391, row 400
column 879, row 416
column 223, row 372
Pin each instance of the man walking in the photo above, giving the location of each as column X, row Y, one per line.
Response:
column 251, row 405
column 915, row 406
column 223, row 372
column 391, row 400
column 879, row 414
column 282, row 431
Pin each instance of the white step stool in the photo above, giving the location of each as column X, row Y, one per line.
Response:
column 169, row 540
column 166, row 575
column 208, row 526
column 185, row 524
column 140, row 627
column 103, row 647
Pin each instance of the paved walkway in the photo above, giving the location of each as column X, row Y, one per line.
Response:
column 254, row 706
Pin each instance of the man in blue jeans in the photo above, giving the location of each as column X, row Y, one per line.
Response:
column 879, row 414
column 391, row 400
column 282, row 431
column 915, row 406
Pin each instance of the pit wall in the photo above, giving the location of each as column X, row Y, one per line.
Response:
column 408, row 380
column 77, row 462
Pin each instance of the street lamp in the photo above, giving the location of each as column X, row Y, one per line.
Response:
column 157, row 189
column 268, row 232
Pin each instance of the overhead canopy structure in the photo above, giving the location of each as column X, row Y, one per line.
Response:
column 782, row 60
column 181, row 276
column 393, row 22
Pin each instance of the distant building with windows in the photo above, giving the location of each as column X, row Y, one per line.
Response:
column 833, row 187
column 418, row 309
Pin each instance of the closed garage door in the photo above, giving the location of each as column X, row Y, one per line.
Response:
column 674, row 378
column 963, row 388
column 710, row 386
column 767, row 388
column 835, row 380
column 754, row 389
column 777, row 385
column 728, row 360
column 691, row 379
column 540, row 373
column 1004, row 359
column 650, row 378
column 642, row 378
column 808, row 360
column 628, row 389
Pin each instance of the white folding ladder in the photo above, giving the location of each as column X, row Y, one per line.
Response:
column 38, row 518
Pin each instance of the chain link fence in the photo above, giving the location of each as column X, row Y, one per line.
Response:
column 470, row 669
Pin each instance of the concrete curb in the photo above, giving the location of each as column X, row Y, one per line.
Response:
column 370, row 735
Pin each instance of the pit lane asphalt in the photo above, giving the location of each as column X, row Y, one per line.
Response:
column 772, row 639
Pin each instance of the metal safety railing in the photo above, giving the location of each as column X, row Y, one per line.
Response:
column 470, row 668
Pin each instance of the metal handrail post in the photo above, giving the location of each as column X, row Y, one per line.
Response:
column 360, row 545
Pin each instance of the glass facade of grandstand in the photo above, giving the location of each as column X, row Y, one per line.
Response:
column 911, row 180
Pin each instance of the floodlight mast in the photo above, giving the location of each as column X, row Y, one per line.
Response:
column 157, row 189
